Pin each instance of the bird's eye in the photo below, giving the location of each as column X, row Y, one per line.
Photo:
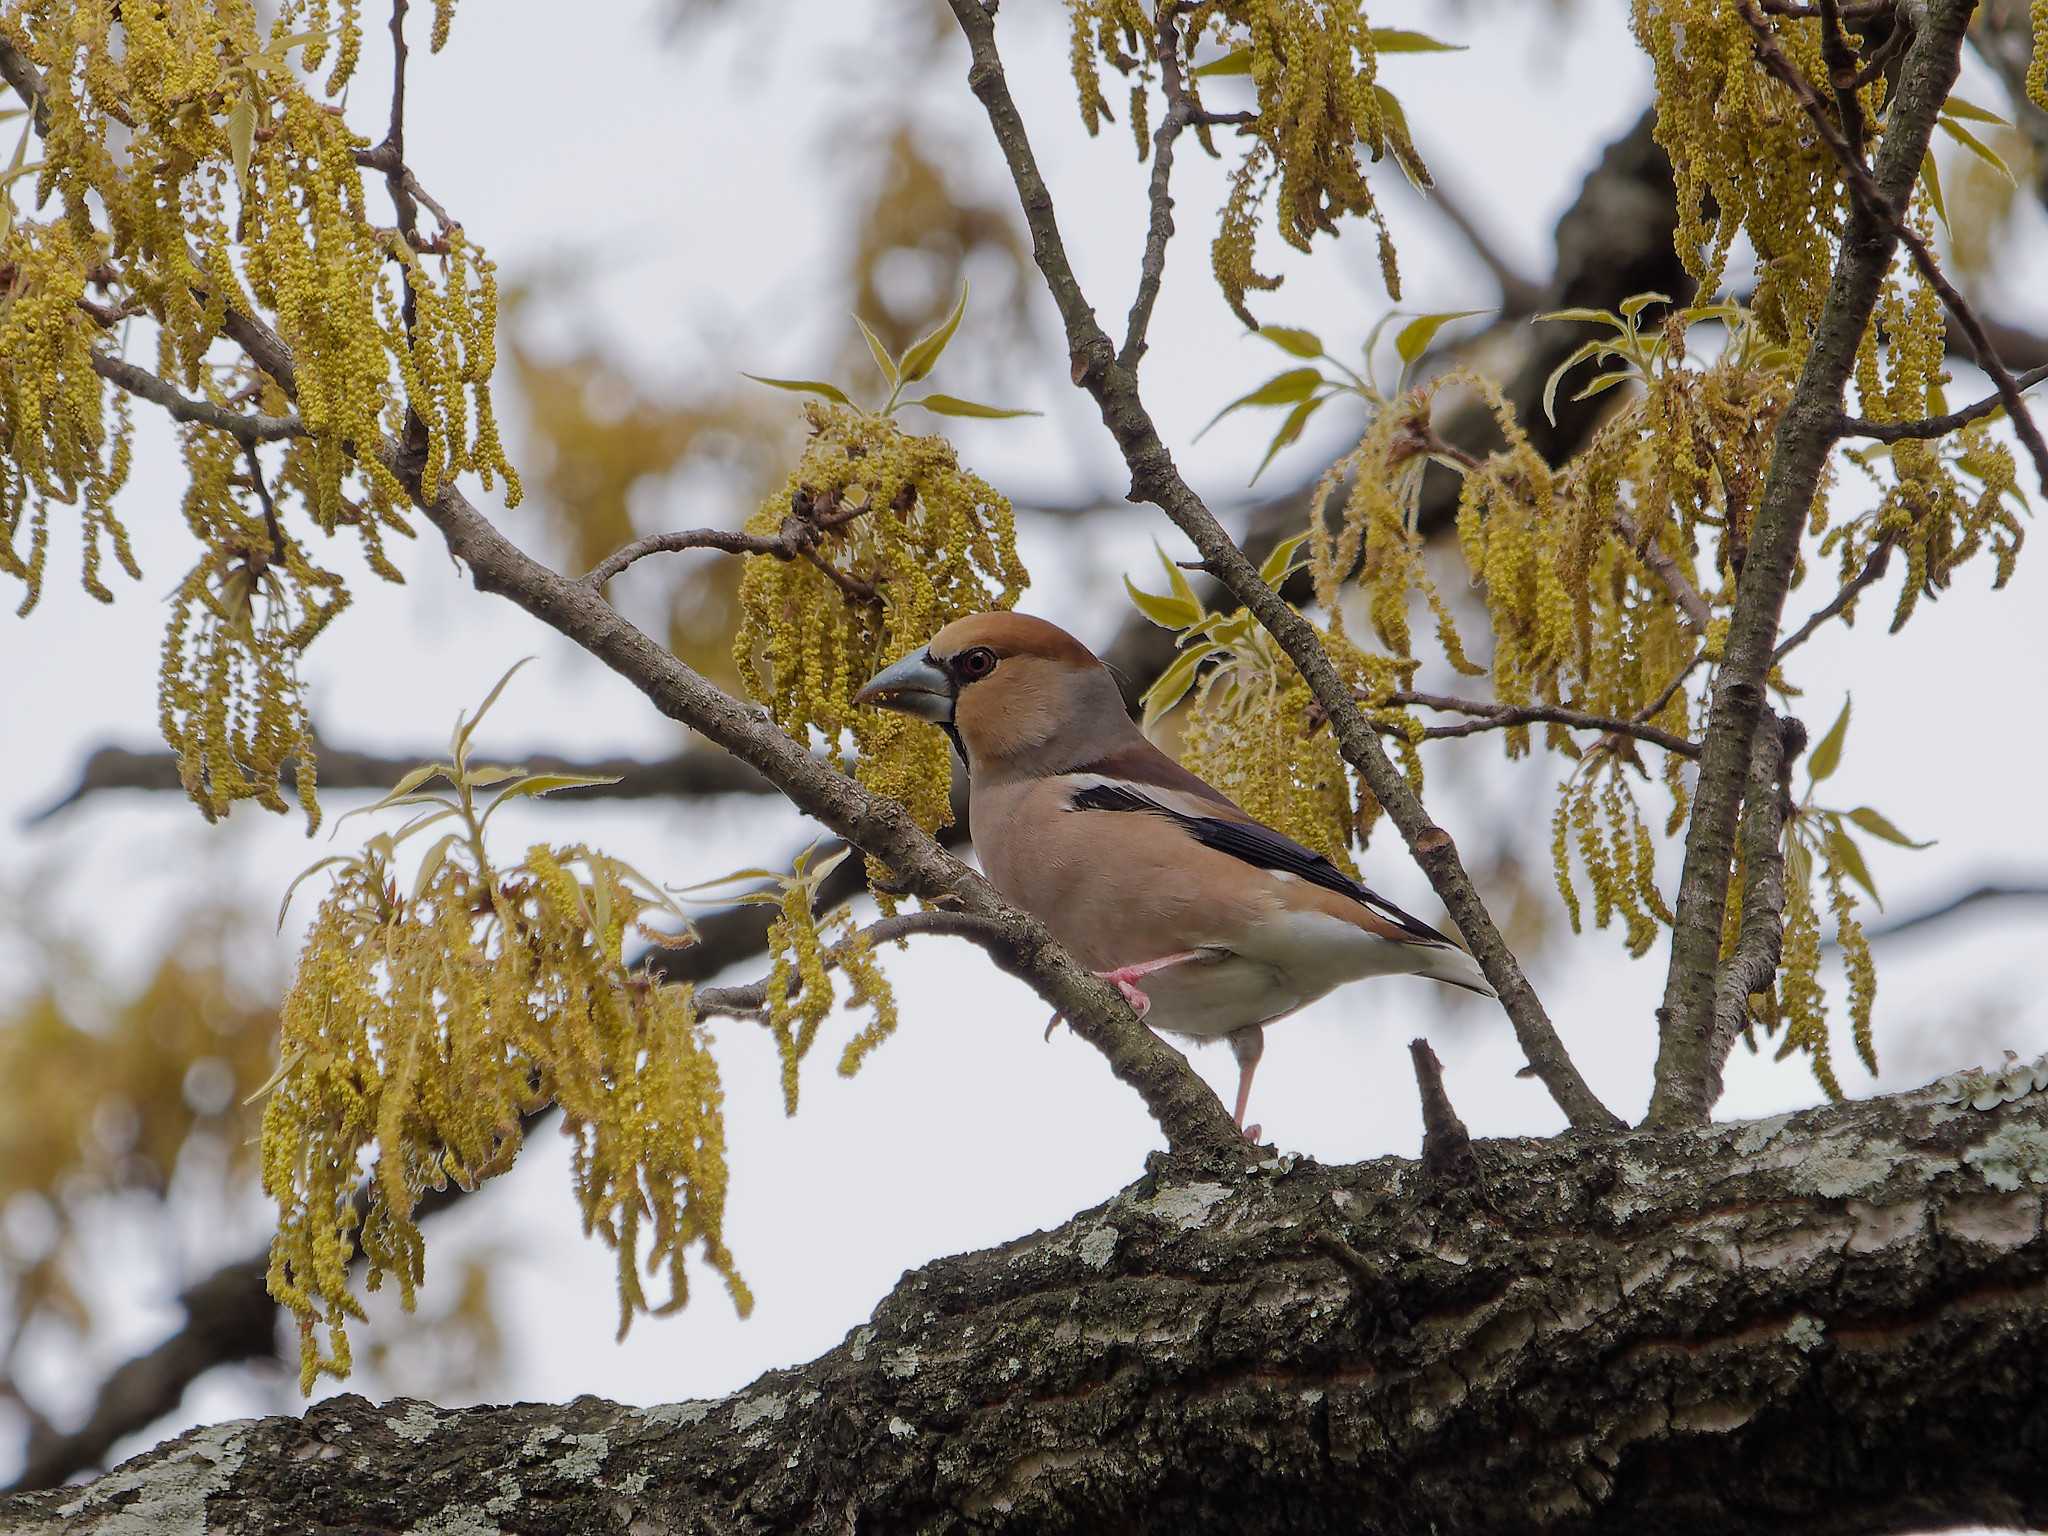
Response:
column 976, row 663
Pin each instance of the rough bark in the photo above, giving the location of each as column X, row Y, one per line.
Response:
column 1832, row 1320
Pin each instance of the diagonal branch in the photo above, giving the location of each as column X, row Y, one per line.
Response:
column 140, row 382
column 1495, row 717
column 1155, row 479
column 1760, row 941
column 1804, row 441
column 752, row 997
column 1936, row 426
column 1159, row 232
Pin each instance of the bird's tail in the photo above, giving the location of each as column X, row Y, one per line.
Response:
column 1451, row 964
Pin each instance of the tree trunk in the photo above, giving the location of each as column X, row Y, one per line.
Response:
column 1832, row 1321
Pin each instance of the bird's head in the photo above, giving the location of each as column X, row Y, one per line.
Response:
column 1014, row 692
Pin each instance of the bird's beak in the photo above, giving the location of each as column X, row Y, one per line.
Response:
column 915, row 685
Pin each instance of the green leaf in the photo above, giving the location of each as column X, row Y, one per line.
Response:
column 831, row 392
column 1413, row 339
column 401, row 793
column 431, row 862
column 545, row 784
column 1174, row 682
column 1827, row 756
column 1636, row 303
column 1290, row 429
column 924, row 353
column 1588, row 316
column 952, row 405
column 879, row 352
column 1280, row 563
column 1603, row 383
column 306, row 874
column 1176, row 579
column 1236, row 62
column 1877, row 824
column 1281, row 389
column 1588, row 349
column 1167, row 612
column 1848, row 858
column 1930, row 178
column 491, row 773
column 1979, row 148
column 1292, row 339
column 1955, row 106
column 1400, row 40
column 242, row 135
column 464, row 731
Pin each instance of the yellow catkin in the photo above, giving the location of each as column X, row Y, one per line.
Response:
column 193, row 168
column 420, row 1031
column 1321, row 115
column 932, row 543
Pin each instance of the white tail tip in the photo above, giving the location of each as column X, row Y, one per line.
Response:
column 1459, row 969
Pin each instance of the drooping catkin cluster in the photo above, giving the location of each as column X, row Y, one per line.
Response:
column 923, row 542
column 197, row 178
column 1320, row 115
column 59, row 443
column 800, row 993
column 420, row 1029
column 229, row 700
column 1742, row 146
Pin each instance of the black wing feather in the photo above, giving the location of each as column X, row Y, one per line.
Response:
column 1258, row 845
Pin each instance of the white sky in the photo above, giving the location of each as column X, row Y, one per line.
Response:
column 696, row 189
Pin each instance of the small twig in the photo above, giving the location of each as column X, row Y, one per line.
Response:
column 797, row 540
column 1447, row 1154
column 1655, row 707
column 1159, row 232
column 1935, row 426
column 249, row 429
column 2037, row 891
column 1873, row 567
column 1766, row 802
column 1494, row 717
column 1868, row 193
column 19, row 71
column 741, row 1001
column 1697, row 613
column 262, row 489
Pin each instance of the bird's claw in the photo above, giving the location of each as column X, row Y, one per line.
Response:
column 1250, row 1133
column 1133, row 993
column 1054, row 1023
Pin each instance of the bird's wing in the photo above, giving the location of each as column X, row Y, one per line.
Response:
column 1229, row 830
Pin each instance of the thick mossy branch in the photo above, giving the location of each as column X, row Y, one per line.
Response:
column 1822, row 1322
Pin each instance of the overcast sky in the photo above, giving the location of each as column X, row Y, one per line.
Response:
column 694, row 186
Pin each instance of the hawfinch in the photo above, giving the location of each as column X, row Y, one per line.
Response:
column 1209, row 922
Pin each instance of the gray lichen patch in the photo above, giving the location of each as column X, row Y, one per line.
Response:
column 1998, row 1221
column 749, row 1411
column 458, row 1520
column 416, row 1425
column 2011, row 1156
column 167, row 1496
column 1098, row 1246
column 1184, row 1206
column 694, row 1411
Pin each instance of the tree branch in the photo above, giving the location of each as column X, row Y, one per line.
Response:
column 1155, row 479
column 1935, row 426
column 753, row 997
column 1804, row 440
column 1873, row 568
column 693, row 771
column 1835, row 1337
column 1159, row 232
column 1494, row 717
column 1759, row 944
column 248, row 429
column 798, row 539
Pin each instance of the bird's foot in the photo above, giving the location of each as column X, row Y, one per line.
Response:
column 1054, row 1023
column 1125, row 980
column 1250, row 1133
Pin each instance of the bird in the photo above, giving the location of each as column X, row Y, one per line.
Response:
column 1210, row 923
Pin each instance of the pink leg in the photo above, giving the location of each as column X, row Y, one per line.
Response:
column 1247, row 1045
column 1126, row 976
